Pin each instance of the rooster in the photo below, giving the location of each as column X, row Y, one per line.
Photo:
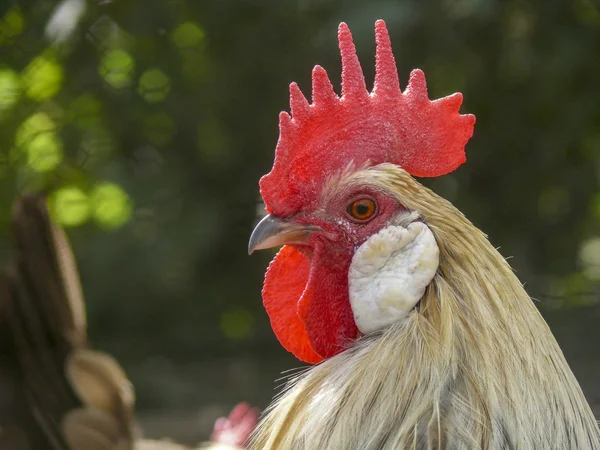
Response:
column 56, row 393
column 422, row 334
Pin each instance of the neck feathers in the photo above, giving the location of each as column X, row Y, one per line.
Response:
column 473, row 366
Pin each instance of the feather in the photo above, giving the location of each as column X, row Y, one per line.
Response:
column 55, row 392
column 474, row 365
column 43, row 307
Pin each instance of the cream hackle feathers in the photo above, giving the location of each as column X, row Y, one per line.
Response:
column 473, row 366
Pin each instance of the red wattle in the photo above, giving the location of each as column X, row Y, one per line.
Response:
column 285, row 281
column 325, row 305
column 307, row 302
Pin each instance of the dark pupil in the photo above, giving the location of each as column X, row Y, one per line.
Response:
column 362, row 209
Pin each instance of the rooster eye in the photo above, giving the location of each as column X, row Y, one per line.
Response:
column 362, row 209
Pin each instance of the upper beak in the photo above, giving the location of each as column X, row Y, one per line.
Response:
column 273, row 231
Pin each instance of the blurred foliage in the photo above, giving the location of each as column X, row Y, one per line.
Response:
column 149, row 124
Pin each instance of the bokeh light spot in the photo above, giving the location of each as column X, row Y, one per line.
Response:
column 154, row 85
column 589, row 257
column 586, row 11
column 69, row 206
column 111, row 206
column 32, row 126
column 571, row 290
column 116, row 68
column 10, row 89
column 11, row 24
column 38, row 144
column 43, row 78
column 44, row 152
column 187, row 35
column 237, row 324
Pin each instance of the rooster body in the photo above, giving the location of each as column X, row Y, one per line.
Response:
column 473, row 366
column 419, row 345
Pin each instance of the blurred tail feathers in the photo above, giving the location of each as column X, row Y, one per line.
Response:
column 56, row 393
column 65, row 396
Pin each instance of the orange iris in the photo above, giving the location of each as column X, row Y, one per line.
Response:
column 362, row 209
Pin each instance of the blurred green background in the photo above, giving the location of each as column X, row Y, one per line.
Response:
column 150, row 122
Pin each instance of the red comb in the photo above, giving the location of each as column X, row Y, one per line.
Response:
column 426, row 138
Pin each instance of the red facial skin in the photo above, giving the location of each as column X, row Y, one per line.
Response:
column 306, row 286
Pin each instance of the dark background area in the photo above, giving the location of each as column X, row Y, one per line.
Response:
column 149, row 124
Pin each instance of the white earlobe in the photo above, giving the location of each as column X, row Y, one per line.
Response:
column 389, row 273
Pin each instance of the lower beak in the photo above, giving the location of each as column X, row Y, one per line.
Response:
column 273, row 231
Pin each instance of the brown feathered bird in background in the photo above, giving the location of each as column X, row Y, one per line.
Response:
column 424, row 336
column 56, row 393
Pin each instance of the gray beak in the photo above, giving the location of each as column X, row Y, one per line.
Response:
column 272, row 232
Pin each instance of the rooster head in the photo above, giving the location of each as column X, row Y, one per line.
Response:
column 354, row 257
